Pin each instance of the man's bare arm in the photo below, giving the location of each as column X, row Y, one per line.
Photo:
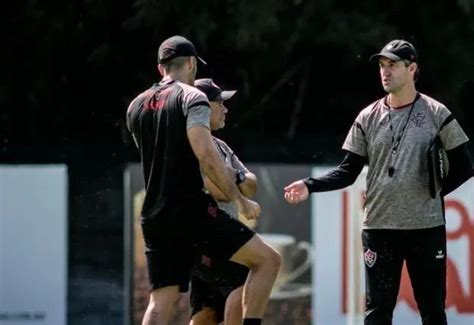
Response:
column 248, row 187
column 211, row 163
column 215, row 192
column 214, row 168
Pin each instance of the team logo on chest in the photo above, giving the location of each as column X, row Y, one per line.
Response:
column 370, row 258
column 418, row 119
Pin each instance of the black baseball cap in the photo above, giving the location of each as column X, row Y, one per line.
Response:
column 176, row 46
column 397, row 50
column 213, row 92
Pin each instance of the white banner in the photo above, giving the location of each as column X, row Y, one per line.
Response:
column 33, row 244
column 337, row 283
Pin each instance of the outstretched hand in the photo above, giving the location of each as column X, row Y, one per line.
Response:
column 296, row 192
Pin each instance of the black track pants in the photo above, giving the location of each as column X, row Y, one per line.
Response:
column 424, row 251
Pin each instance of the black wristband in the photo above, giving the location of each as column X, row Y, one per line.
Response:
column 310, row 183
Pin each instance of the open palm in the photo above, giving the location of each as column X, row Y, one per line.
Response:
column 296, row 192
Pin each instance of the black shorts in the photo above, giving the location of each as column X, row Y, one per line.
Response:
column 171, row 252
column 212, row 282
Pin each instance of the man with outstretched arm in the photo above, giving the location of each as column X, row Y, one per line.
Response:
column 403, row 222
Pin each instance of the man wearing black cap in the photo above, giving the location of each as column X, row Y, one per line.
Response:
column 170, row 125
column 403, row 214
column 216, row 286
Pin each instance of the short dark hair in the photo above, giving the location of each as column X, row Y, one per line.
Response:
column 175, row 64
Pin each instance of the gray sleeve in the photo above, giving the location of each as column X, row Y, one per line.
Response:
column 230, row 157
column 451, row 133
column 356, row 138
column 196, row 108
column 237, row 164
column 198, row 116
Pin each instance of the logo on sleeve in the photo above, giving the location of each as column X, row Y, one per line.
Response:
column 370, row 258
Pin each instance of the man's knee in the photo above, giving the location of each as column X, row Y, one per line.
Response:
column 164, row 298
column 274, row 259
column 205, row 316
column 266, row 256
column 256, row 253
column 235, row 297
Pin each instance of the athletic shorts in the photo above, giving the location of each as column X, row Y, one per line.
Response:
column 171, row 252
column 212, row 282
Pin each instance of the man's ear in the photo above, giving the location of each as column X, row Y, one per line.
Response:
column 191, row 62
column 161, row 70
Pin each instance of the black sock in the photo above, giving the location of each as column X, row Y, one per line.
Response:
column 252, row 321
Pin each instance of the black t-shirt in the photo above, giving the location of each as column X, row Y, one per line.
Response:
column 158, row 119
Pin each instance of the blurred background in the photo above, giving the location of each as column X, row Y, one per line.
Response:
column 70, row 68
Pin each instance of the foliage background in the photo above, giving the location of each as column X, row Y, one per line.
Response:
column 70, row 68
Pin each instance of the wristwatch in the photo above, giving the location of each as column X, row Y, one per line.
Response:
column 239, row 177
